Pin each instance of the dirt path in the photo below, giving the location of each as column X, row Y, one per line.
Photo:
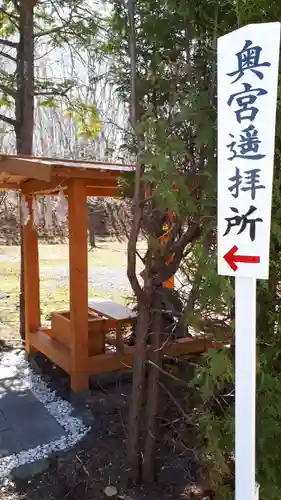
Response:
column 102, row 278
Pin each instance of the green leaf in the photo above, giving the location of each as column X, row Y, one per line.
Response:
column 86, row 118
column 6, row 102
column 48, row 103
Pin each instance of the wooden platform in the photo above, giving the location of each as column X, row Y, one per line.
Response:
column 58, row 348
column 110, row 361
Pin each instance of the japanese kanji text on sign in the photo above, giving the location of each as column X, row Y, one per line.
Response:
column 247, row 92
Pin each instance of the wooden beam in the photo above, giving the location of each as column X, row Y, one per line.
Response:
column 7, row 185
column 41, row 187
column 89, row 173
column 104, row 363
column 101, row 182
column 31, row 278
column 106, row 192
column 52, row 349
column 194, row 345
column 98, row 184
column 78, row 271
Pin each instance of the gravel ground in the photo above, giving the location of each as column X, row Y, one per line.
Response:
column 104, row 279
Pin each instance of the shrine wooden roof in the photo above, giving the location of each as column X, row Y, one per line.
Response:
column 44, row 175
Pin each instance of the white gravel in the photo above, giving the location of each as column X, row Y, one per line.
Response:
column 19, row 376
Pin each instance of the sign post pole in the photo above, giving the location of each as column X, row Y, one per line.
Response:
column 245, row 387
column 248, row 61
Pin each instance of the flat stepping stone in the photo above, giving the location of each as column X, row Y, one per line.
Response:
column 25, row 423
column 9, row 443
column 4, row 426
column 34, row 422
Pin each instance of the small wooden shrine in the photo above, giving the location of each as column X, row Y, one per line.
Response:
column 76, row 339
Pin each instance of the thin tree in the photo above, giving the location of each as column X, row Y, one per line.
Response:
column 143, row 294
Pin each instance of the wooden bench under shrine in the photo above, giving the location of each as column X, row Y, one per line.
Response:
column 117, row 316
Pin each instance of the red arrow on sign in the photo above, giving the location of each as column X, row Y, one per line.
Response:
column 231, row 258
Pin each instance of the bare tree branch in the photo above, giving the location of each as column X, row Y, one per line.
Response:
column 8, row 43
column 178, row 248
column 54, row 92
column 56, row 29
column 52, row 31
column 8, row 56
column 168, row 374
column 176, row 403
column 8, row 120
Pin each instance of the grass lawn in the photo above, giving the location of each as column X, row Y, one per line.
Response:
column 107, row 279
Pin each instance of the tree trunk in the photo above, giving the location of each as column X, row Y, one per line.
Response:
column 134, row 430
column 25, row 108
column 148, row 467
column 92, row 239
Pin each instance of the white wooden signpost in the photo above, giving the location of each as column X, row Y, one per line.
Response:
column 247, row 93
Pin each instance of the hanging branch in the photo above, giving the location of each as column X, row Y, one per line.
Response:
column 8, row 43
column 8, row 56
column 8, row 120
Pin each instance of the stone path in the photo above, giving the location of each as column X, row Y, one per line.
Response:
column 34, row 422
column 24, row 421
